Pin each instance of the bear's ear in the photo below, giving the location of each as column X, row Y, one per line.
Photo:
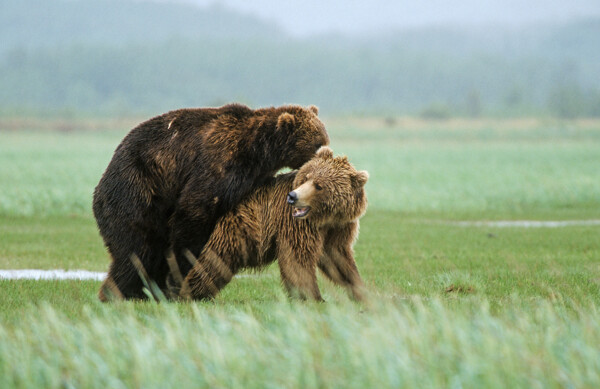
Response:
column 314, row 109
column 285, row 120
column 361, row 177
column 325, row 152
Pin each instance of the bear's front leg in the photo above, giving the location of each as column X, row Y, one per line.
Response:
column 298, row 268
column 191, row 225
column 339, row 266
column 337, row 261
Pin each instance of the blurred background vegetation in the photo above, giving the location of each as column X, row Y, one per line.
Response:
column 109, row 57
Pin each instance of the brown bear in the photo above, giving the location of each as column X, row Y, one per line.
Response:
column 174, row 175
column 327, row 198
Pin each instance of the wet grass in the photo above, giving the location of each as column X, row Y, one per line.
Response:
column 467, row 168
column 398, row 258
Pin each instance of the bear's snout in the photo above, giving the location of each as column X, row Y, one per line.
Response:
column 292, row 197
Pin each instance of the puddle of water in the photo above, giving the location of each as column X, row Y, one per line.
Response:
column 58, row 274
column 526, row 223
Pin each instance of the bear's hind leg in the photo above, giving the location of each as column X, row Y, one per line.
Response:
column 210, row 274
column 123, row 279
column 132, row 219
column 122, row 282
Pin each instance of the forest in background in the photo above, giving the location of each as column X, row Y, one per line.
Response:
column 129, row 57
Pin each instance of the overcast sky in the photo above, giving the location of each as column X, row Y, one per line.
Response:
column 305, row 17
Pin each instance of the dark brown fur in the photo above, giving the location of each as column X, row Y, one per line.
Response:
column 173, row 176
column 262, row 229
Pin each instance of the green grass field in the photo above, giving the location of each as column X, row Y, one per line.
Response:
column 451, row 305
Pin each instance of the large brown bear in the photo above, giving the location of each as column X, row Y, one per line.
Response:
column 327, row 198
column 173, row 176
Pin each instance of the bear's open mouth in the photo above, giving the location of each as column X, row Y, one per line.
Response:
column 300, row 212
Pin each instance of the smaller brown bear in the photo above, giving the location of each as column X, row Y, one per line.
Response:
column 327, row 198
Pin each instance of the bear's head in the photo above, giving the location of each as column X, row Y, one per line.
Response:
column 304, row 133
column 328, row 190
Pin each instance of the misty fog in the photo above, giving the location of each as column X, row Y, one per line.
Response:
column 307, row 17
column 434, row 59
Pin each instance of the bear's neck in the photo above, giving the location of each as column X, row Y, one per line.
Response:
column 268, row 143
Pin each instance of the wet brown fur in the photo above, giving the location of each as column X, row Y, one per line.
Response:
column 174, row 175
column 261, row 229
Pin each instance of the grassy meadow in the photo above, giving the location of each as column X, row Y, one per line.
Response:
column 451, row 304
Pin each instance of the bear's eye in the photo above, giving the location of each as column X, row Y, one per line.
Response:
column 318, row 187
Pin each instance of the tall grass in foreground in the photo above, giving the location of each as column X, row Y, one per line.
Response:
column 403, row 344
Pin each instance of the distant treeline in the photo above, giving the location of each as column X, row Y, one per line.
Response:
column 150, row 57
